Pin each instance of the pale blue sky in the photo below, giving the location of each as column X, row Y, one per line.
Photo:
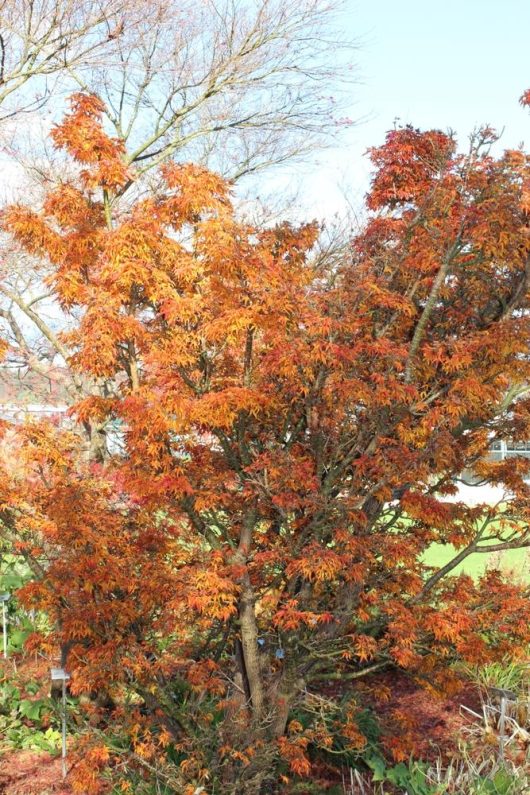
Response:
column 432, row 64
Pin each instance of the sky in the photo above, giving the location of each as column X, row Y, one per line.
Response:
column 434, row 64
column 446, row 64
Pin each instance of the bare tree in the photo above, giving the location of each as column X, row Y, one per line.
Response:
column 236, row 84
column 41, row 39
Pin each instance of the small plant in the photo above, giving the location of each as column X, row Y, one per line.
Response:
column 26, row 720
column 17, row 735
column 459, row 777
column 483, row 778
column 411, row 778
column 507, row 674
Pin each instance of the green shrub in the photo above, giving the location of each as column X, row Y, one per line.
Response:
column 26, row 722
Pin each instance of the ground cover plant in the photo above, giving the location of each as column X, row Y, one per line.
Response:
column 287, row 426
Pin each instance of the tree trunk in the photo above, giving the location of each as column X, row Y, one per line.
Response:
column 249, row 644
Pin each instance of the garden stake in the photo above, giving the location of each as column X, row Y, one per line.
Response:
column 4, row 598
column 59, row 674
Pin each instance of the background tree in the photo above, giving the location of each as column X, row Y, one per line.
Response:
column 292, row 427
column 242, row 85
column 40, row 40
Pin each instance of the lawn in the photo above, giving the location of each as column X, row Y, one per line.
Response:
column 513, row 560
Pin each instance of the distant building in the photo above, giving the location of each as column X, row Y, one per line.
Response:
column 27, row 394
column 500, row 450
column 473, row 491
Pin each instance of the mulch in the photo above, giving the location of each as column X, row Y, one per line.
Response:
column 437, row 720
column 31, row 773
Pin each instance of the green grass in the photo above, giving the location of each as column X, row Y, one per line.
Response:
column 516, row 561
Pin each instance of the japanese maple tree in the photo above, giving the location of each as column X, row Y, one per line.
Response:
column 290, row 433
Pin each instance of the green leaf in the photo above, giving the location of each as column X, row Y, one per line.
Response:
column 503, row 782
column 17, row 638
column 398, row 775
column 378, row 766
column 31, row 709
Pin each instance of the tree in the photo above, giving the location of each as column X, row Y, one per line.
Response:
column 241, row 86
column 42, row 39
column 292, row 427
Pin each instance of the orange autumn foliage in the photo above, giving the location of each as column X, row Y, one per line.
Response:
column 289, row 430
